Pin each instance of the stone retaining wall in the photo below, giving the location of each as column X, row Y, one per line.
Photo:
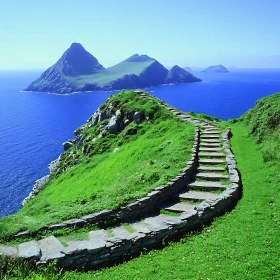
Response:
column 142, row 205
column 93, row 254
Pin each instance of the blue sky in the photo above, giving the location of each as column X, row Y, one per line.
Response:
column 34, row 34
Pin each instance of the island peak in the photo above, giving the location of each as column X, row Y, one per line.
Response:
column 216, row 69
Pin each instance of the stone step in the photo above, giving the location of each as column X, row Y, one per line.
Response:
column 212, row 127
column 211, row 154
column 210, row 145
column 195, row 195
column 211, row 176
column 210, row 132
column 206, row 186
column 213, row 149
column 29, row 250
column 210, row 169
column 50, row 248
column 120, row 230
column 211, row 141
column 210, row 136
column 211, row 161
column 141, row 227
column 9, row 251
column 97, row 235
column 178, row 207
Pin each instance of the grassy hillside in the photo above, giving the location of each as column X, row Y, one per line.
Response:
column 263, row 121
column 112, row 73
column 243, row 244
column 116, row 170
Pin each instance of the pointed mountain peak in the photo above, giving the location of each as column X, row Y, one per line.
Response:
column 178, row 75
column 77, row 61
column 76, row 46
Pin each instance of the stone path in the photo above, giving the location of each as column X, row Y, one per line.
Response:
column 184, row 211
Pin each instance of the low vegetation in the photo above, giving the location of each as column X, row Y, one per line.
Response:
column 243, row 244
column 263, row 121
column 116, row 170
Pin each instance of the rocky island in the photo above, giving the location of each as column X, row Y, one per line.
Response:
column 216, row 69
column 78, row 70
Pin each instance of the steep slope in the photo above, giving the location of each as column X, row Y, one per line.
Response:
column 75, row 61
column 129, row 146
column 216, row 69
column 178, row 75
column 263, row 121
column 78, row 70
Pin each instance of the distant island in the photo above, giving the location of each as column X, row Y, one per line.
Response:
column 189, row 69
column 216, row 69
column 78, row 70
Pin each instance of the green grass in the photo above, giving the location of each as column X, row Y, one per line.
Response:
column 113, row 73
column 243, row 244
column 144, row 161
column 169, row 213
column 263, row 121
column 128, row 227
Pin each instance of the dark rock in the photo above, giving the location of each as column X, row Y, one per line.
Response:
column 67, row 145
column 177, row 75
column 131, row 131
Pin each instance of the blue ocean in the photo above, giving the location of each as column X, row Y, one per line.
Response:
column 33, row 126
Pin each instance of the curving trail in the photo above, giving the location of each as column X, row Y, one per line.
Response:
column 214, row 189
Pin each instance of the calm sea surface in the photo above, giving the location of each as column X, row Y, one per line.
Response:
column 33, row 126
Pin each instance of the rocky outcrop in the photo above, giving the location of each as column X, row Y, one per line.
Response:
column 178, row 75
column 77, row 61
column 36, row 189
column 52, row 81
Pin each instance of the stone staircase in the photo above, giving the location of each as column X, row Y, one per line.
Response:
column 210, row 194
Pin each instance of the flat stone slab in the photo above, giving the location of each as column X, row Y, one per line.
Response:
column 98, row 235
column 211, row 161
column 178, row 207
column 8, row 251
column 120, row 231
column 50, row 246
column 210, row 132
column 210, row 176
column 211, row 154
column 210, row 127
column 210, row 145
column 211, row 169
column 195, row 195
column 77, row 247
column 29, row 250
column 207, row 186
column 141, row 227
column 213, row 149
column 210, row 141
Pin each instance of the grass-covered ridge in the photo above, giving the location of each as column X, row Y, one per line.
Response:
column 110, row 170
column 263, row 121
column 112, row 73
